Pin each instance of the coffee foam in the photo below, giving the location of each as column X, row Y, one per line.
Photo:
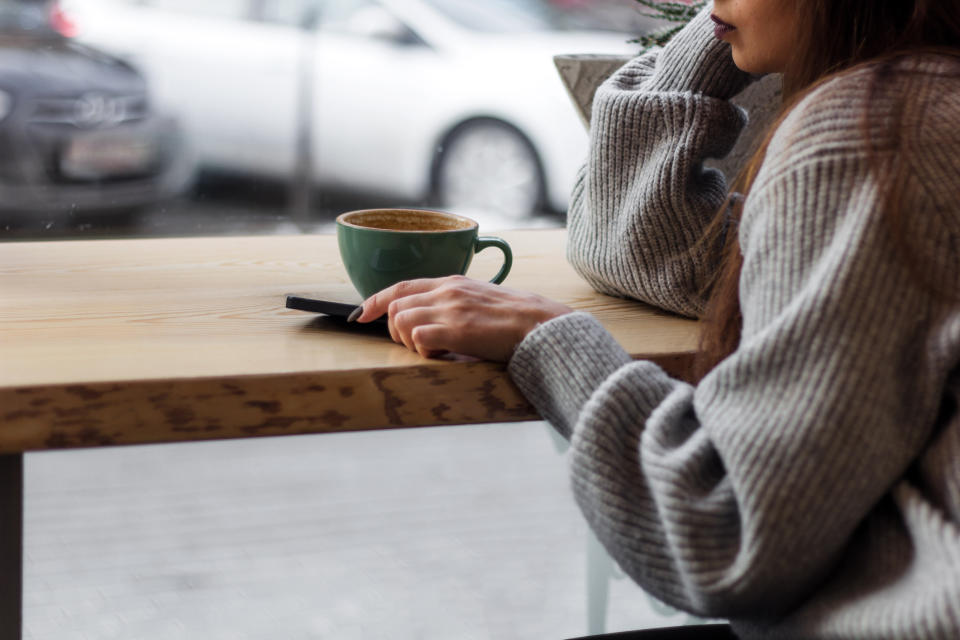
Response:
column 407, row 220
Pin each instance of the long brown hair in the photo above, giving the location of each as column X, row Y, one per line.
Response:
column 835, row 36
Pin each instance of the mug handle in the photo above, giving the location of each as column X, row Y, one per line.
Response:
column 483, row 242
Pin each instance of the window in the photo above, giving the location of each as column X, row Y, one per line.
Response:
column 231, row 9
column 285, row 12
column 499, row 16
column 249, row 116
column 153, row 118
column 340, row 12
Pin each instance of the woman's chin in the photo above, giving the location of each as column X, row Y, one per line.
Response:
column 754, row 64
column 748, row 64
column 744, row 63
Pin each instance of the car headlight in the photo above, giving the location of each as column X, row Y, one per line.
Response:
column 6, row 104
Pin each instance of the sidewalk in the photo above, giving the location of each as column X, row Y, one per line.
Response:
column 444, row 533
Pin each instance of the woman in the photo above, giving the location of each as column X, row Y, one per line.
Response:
column 809, row 485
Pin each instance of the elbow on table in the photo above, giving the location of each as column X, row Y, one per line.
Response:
column 672, row 294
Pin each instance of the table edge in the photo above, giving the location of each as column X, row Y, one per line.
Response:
column 58, row 416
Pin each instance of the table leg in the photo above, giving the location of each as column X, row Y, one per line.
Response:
column 11, row 546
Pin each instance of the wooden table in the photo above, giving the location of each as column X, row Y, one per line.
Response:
column 141, row 341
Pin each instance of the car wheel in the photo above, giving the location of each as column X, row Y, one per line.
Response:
column 488, row 165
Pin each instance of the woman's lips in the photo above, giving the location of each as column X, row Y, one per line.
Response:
column 720, row 28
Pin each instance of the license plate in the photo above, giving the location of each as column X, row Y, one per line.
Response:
column 108, row 155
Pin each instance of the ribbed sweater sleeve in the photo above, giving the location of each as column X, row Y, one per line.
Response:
column 640, row 205
column 740, row 497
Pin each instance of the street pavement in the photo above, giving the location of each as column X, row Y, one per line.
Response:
column 465, row 533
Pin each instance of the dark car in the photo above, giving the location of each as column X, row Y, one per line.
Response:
column 77, row 130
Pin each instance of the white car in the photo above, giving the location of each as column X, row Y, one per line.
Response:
column 452, row 102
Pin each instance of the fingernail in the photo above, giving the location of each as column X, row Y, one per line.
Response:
column 356, row 313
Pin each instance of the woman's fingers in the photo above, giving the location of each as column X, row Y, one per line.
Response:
column 378, row 304
column 431, row 340
column 403, row 323
column 412, row 301
column 456, row 314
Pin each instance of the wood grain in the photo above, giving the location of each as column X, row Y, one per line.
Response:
column 133, row 341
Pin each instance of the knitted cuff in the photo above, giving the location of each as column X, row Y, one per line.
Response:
column 560, row 364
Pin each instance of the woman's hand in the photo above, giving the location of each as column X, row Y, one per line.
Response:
column 456, row 314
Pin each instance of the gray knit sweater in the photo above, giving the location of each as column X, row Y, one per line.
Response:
column 809, row 486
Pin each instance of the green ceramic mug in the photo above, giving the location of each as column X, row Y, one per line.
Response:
column 381, row 247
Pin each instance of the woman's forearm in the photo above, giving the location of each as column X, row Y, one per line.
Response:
column 641, row 204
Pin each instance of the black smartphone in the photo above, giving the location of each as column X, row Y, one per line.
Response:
column 327, row 307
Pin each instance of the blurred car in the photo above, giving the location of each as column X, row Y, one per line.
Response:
column 617, row 15
column 452, row 102
column 77, row 131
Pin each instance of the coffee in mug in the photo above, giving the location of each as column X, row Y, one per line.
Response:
column 381, row 247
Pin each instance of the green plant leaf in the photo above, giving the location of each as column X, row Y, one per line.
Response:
column 666, row 11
